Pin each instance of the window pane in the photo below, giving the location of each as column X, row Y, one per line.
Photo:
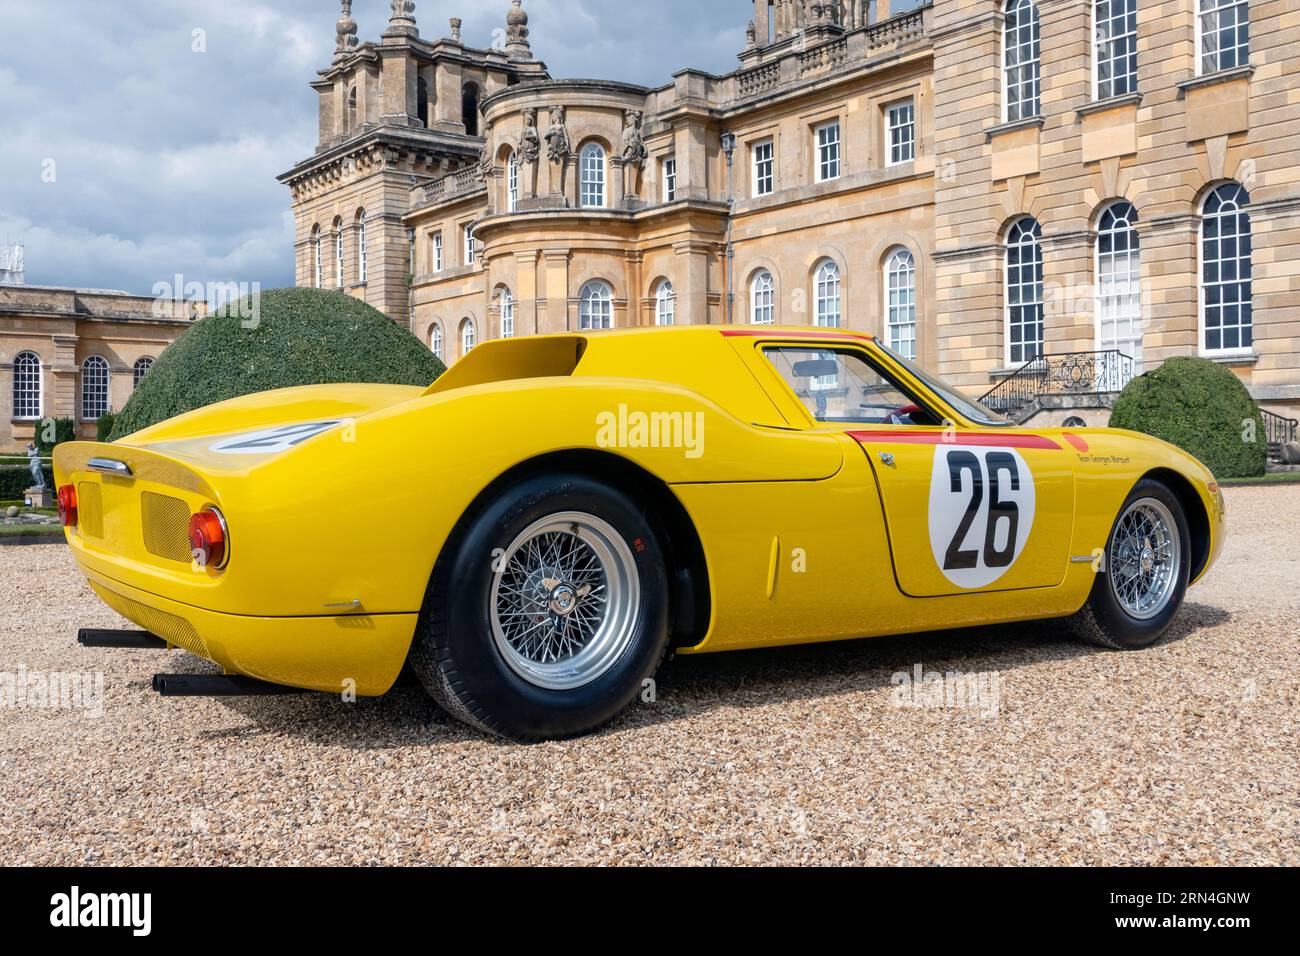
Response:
column 1226, row 287
column 1024, row 292
column 840, row 386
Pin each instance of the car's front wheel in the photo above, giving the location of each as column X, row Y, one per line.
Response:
column 548, row 613
column 1142, row 581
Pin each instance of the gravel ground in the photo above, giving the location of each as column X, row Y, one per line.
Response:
column 1182, row 754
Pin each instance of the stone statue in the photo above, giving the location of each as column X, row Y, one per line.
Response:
column 486, row 164
column 403, row 9
column 751, row 35
column 634, row 151
column 530, row 144
column 34, row 462
column 557, row 137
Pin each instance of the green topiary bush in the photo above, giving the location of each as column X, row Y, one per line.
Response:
column 1201, row 407
column 298, row 337
column 15, row 479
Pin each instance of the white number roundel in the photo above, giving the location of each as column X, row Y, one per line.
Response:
column 981, row 512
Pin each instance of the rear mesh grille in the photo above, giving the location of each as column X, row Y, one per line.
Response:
column 90, row 509
column 172, row 629
column 166, row 524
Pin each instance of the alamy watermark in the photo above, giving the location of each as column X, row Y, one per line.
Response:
column 36, row 690
column 628, row 428
column 240, row 299
column 951, row 690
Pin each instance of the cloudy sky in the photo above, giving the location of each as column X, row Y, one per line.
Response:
column 133, row 151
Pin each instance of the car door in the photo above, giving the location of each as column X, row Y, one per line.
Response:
column 967, row 508
column 972, row 509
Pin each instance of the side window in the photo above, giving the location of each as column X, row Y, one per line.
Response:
column 841, row 386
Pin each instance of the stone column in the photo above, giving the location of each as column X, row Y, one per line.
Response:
column 555, row 317
column 398, row 107
column 1169, row 287
column 1069, row 305
column 1275, row 230
column 968, row 257
column 693, row 294
column 527, row 311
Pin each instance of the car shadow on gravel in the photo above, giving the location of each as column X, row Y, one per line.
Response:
column 686, row 686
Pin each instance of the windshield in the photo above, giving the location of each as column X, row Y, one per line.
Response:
column 968, row 407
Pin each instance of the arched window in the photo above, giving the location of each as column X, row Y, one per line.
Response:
column 435, row 339
column 762, row 298
column 468, row 337
column 900, row 303
column 1024, row 316
column 27, row 385
column 140, row 369
column 1224, row 29
column 665, row 303
column 826, row 294
column 469, row 108
column 352, row 108
column 1119, row 281
column 316, row 256
column 338, row 253
column 422, row 100
column 1115, row 29
column 512, row 182
column 507, row 314
column 1020, row 60
column 592, row 179
column 361, row 247
column 94, row 389
column 1226, row 270
column 596, row 306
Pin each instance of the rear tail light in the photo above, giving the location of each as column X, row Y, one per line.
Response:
column 209, row 541
column 68, row 506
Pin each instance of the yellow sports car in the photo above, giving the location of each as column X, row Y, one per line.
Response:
column 536, row 530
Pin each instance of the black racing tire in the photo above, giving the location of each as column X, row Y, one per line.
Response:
column 478, row 675
column 1105, row 620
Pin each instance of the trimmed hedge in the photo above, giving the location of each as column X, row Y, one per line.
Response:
column 65, row 429
column 16, row 479
column 1201, row 407
column 104, row 426
column 298, row 337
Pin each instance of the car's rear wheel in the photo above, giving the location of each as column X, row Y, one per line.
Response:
column 548, row 613
column 1141, row 584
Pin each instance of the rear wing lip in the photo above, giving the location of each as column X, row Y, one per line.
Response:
column 126, row 463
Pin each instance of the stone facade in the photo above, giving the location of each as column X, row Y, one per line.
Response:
column 863, row 161
column 53, row 341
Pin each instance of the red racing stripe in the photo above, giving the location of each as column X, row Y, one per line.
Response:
column 984, row 439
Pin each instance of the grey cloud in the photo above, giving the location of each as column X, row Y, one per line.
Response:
column 166, row 158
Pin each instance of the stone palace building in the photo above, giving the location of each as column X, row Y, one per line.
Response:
column 75, row 353
column 1035, row 197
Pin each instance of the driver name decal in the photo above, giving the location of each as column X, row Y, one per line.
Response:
column 981, row 512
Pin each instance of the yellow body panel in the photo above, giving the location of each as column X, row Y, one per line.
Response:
column 333, row 537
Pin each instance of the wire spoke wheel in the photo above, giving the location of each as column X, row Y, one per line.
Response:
column 1145, row 558
column 564, row 602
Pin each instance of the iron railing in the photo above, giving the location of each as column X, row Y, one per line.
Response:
column 1279, row 429
column 1075, row 373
